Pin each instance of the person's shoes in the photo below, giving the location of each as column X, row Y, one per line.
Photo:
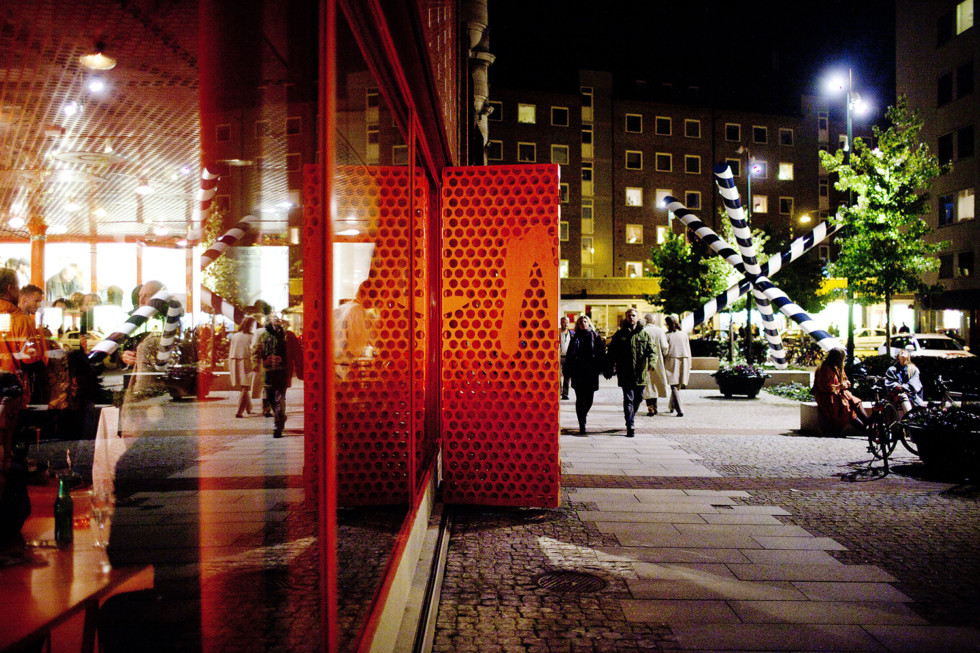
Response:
column 277, row 433
column 267, row 413
column 680, row 414
column 651, row 412
column 564, row 396
column 239, row 415
column 629, row 431
column 581, row 429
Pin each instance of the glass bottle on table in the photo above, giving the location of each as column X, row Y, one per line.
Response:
column 64, row 513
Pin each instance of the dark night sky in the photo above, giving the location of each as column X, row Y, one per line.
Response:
column 753, row 55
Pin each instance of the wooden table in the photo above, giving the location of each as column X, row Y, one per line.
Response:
column 58, row 585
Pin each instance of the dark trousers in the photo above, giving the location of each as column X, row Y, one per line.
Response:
column 632, row 399
column 565, row 379
column 275, row 394
column 583, row 403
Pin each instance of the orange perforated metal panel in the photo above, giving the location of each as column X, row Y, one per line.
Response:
column 500, row 357
column 379, row 337
column 315, row 329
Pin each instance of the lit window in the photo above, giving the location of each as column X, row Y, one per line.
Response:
column 692, row 128
column 559, row 116
column 634, row 269
column 634, row 123
column 587, row 272
column 586, row 172
column 559, row 154
column 563, row 268
column 526, row 152
column 587, row 250
column 964, row 16
column 495, row 150
column 733, row 132
column 562, row 230
column 586, row 213
column 661, row 235
column 760, row 170
column 760, row 135
column 692, row 199
column 587, row 226
column 527, row 113
column 634, row 234
column 587, row 143
column 496, row 110
column 760, row 204
column 965, row 204
column 662, row 195
column 692, row 164
column 586, row 95
column 663, row 126
column 634, row 197
column 663, row 162
column 564, row 192
column 786, row 206
column 785, row 136
column 786, row 171
column 634, row 160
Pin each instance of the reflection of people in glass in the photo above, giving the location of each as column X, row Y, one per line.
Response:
column 240, row 364
column 271, row 353
column 37, row 372
column 146, row 382
column 352, row 332
column 63, row 284
column 16, row 349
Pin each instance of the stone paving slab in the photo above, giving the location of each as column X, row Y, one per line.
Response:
column 683, row 571
column 926, row 639
column 773, row 637
column 850, row 591
column 824, row 612
column 679, row 612
column 810, row 543
column 811, row 572
column 672, row 555
column 771, row 557
column 715, row 588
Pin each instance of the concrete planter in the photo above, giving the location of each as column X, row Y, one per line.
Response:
column 740, row 385
column 702, row 379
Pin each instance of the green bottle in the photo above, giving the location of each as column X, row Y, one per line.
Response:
column 64, row 510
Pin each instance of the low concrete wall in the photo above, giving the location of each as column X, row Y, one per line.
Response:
column 704, row 363
column 702, row 379
column 811, row 424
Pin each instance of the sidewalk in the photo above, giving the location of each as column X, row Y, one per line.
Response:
column 720, row 531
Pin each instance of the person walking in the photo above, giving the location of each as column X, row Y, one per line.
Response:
column 631, row 351
column 583, row 365
column 677, row 362
column 271, row 354
column 240, row 364
column 657, row 385
column 564, row 339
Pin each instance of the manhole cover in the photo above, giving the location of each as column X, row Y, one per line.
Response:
column 575, row 582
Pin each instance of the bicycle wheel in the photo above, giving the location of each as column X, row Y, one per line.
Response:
column 893, row 428
column 903, row 433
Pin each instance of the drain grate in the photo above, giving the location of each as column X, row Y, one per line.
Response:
column 571, row 582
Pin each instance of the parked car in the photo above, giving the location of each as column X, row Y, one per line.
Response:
column 74, row 339
column 921, row 344
column 869, row 338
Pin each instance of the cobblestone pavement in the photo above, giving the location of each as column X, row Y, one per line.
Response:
column 911, row 535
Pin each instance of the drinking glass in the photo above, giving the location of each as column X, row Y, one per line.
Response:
column 102, row 508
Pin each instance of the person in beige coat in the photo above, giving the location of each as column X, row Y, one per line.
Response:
column 678, row 362
column 240, row 365
column 657, row 385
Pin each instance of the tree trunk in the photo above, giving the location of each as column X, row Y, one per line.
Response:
column 888, row 324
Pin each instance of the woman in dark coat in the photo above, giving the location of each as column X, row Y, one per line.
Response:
column 583, row 364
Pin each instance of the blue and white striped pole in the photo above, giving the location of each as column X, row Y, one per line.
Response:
column 743, row 236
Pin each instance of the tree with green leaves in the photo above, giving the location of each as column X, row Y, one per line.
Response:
column 883, row 247
column 683, row 272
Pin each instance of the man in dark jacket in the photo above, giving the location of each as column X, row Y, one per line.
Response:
column 631, row 349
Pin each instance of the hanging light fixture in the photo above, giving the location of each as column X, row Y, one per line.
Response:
column 97, row 60
column 144, row 188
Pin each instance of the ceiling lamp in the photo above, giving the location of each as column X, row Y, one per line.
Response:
column 16, row 222
column 97, row 60
column 144, row 188
column 72, row 206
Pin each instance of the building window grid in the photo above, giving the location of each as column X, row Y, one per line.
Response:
column 565, row 193
column 527, row 113
column 692, row 164
column 562, row 230
column 785, row 136
column 692, row 199
column 634, row 196
column 634, row 123
column 526, row 152
column 786, row 206
column 559, row 116
column 495, row 150
column 663, row 126
column 760, row 135
column 634, row 234
column 496, row 110
column 733, row 132
column 634, row 160
column 692, row 128
column 559, row 154
column 663, row 162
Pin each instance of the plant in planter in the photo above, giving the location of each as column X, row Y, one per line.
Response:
column 740, row 380
column 197, row 356
column 947, row 437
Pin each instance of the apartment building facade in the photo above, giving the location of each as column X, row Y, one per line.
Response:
column 621, row 154
column 937, row 47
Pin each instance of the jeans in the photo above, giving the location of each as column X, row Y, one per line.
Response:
column 583, row 403
column 632, row 398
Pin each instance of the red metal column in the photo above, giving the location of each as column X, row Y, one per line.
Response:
column 500, row 358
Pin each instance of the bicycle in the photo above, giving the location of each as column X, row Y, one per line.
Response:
column 881, row 429
column 946, row 400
